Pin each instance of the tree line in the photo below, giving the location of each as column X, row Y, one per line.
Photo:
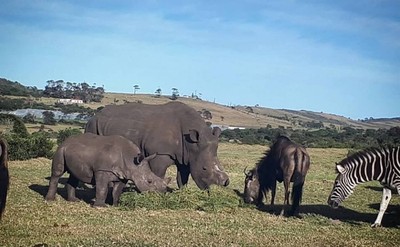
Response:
column 71, row 90
column 322, row 138
column 55, row 89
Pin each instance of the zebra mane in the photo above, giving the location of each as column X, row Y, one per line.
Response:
column 360, row 154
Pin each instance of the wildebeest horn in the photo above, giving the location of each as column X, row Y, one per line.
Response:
column 244, row 171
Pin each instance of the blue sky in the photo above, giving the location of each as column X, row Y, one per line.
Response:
column 340, row 57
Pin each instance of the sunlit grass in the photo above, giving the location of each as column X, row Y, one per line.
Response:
column 191, row 217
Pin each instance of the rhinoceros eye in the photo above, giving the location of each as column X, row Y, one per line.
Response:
column 150, row 181
column 204, row 168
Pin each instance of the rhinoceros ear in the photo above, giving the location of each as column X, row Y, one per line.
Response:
column 216, row 131
column 150, row 157
column 145, row 160
column 138, row 159
column 194, row 135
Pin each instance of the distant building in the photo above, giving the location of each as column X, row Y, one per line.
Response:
column 225, row 127
column 70, row 101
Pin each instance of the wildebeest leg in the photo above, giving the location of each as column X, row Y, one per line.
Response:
column 297, row 193
column 117, row 191
column 72, row 183
column 386, row 196
column 101, row 189
column 286, row 183
column 273, row 192
column 182, row 177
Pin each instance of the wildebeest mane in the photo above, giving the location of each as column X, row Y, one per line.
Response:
column 267, row 165
column 262, row 169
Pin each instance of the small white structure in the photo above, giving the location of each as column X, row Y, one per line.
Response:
column 70, row 101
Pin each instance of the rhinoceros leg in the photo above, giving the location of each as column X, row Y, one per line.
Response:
column 57, row 171
column 117, row 191
column 102, row 180
column 51, row 193
column 72, row 183
column 182, row 177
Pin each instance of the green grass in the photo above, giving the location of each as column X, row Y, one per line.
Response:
column 191, row 217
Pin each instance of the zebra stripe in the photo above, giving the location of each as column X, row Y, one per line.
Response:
column 381, row 165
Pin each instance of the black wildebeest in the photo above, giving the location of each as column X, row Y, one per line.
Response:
column 285, row 161
column 4, row 176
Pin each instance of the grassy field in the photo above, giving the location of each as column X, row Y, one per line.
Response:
column 30, row 221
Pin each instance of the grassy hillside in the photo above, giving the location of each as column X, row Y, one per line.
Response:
column 243, row 116
column 253, row 117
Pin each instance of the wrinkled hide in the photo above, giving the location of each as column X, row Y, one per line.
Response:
column 175, row 131
column 102, row 160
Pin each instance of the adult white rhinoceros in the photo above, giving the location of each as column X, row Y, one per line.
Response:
column 102, row 160
column 175, row 131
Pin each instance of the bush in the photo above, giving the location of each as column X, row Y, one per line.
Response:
column 18, row 147
column 41, row 145
column 24, row 148
column 22, row 145
column 64, row 134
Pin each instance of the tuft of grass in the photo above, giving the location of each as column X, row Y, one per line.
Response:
column 213, row 200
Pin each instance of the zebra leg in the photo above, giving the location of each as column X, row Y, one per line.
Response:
column 386, row 196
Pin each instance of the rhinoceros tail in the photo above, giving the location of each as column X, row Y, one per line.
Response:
column 4, row 176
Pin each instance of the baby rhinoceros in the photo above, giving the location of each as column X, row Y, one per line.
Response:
column 102, row 160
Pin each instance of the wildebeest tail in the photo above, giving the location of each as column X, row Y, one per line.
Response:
column 4, row 176
column 302, row 163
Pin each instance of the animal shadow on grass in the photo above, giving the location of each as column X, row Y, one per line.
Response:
column 390, row 219
column 84, row 192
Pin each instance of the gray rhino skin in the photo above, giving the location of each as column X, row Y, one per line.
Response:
column 175, row 131
column 102, row 160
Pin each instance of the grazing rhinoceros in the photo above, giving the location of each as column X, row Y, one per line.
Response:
column 175, row 131
column 101, row 160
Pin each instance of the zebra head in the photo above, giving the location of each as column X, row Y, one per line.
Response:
column 343, row 186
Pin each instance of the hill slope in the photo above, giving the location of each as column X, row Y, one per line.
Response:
column 237, row 116
column 255, row 117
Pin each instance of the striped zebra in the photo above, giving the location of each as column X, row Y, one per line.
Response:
column 375, row 164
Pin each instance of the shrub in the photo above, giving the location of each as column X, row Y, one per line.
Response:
column 64, row 134
column 22, row 145
column 34, row 146
column 41, row 145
